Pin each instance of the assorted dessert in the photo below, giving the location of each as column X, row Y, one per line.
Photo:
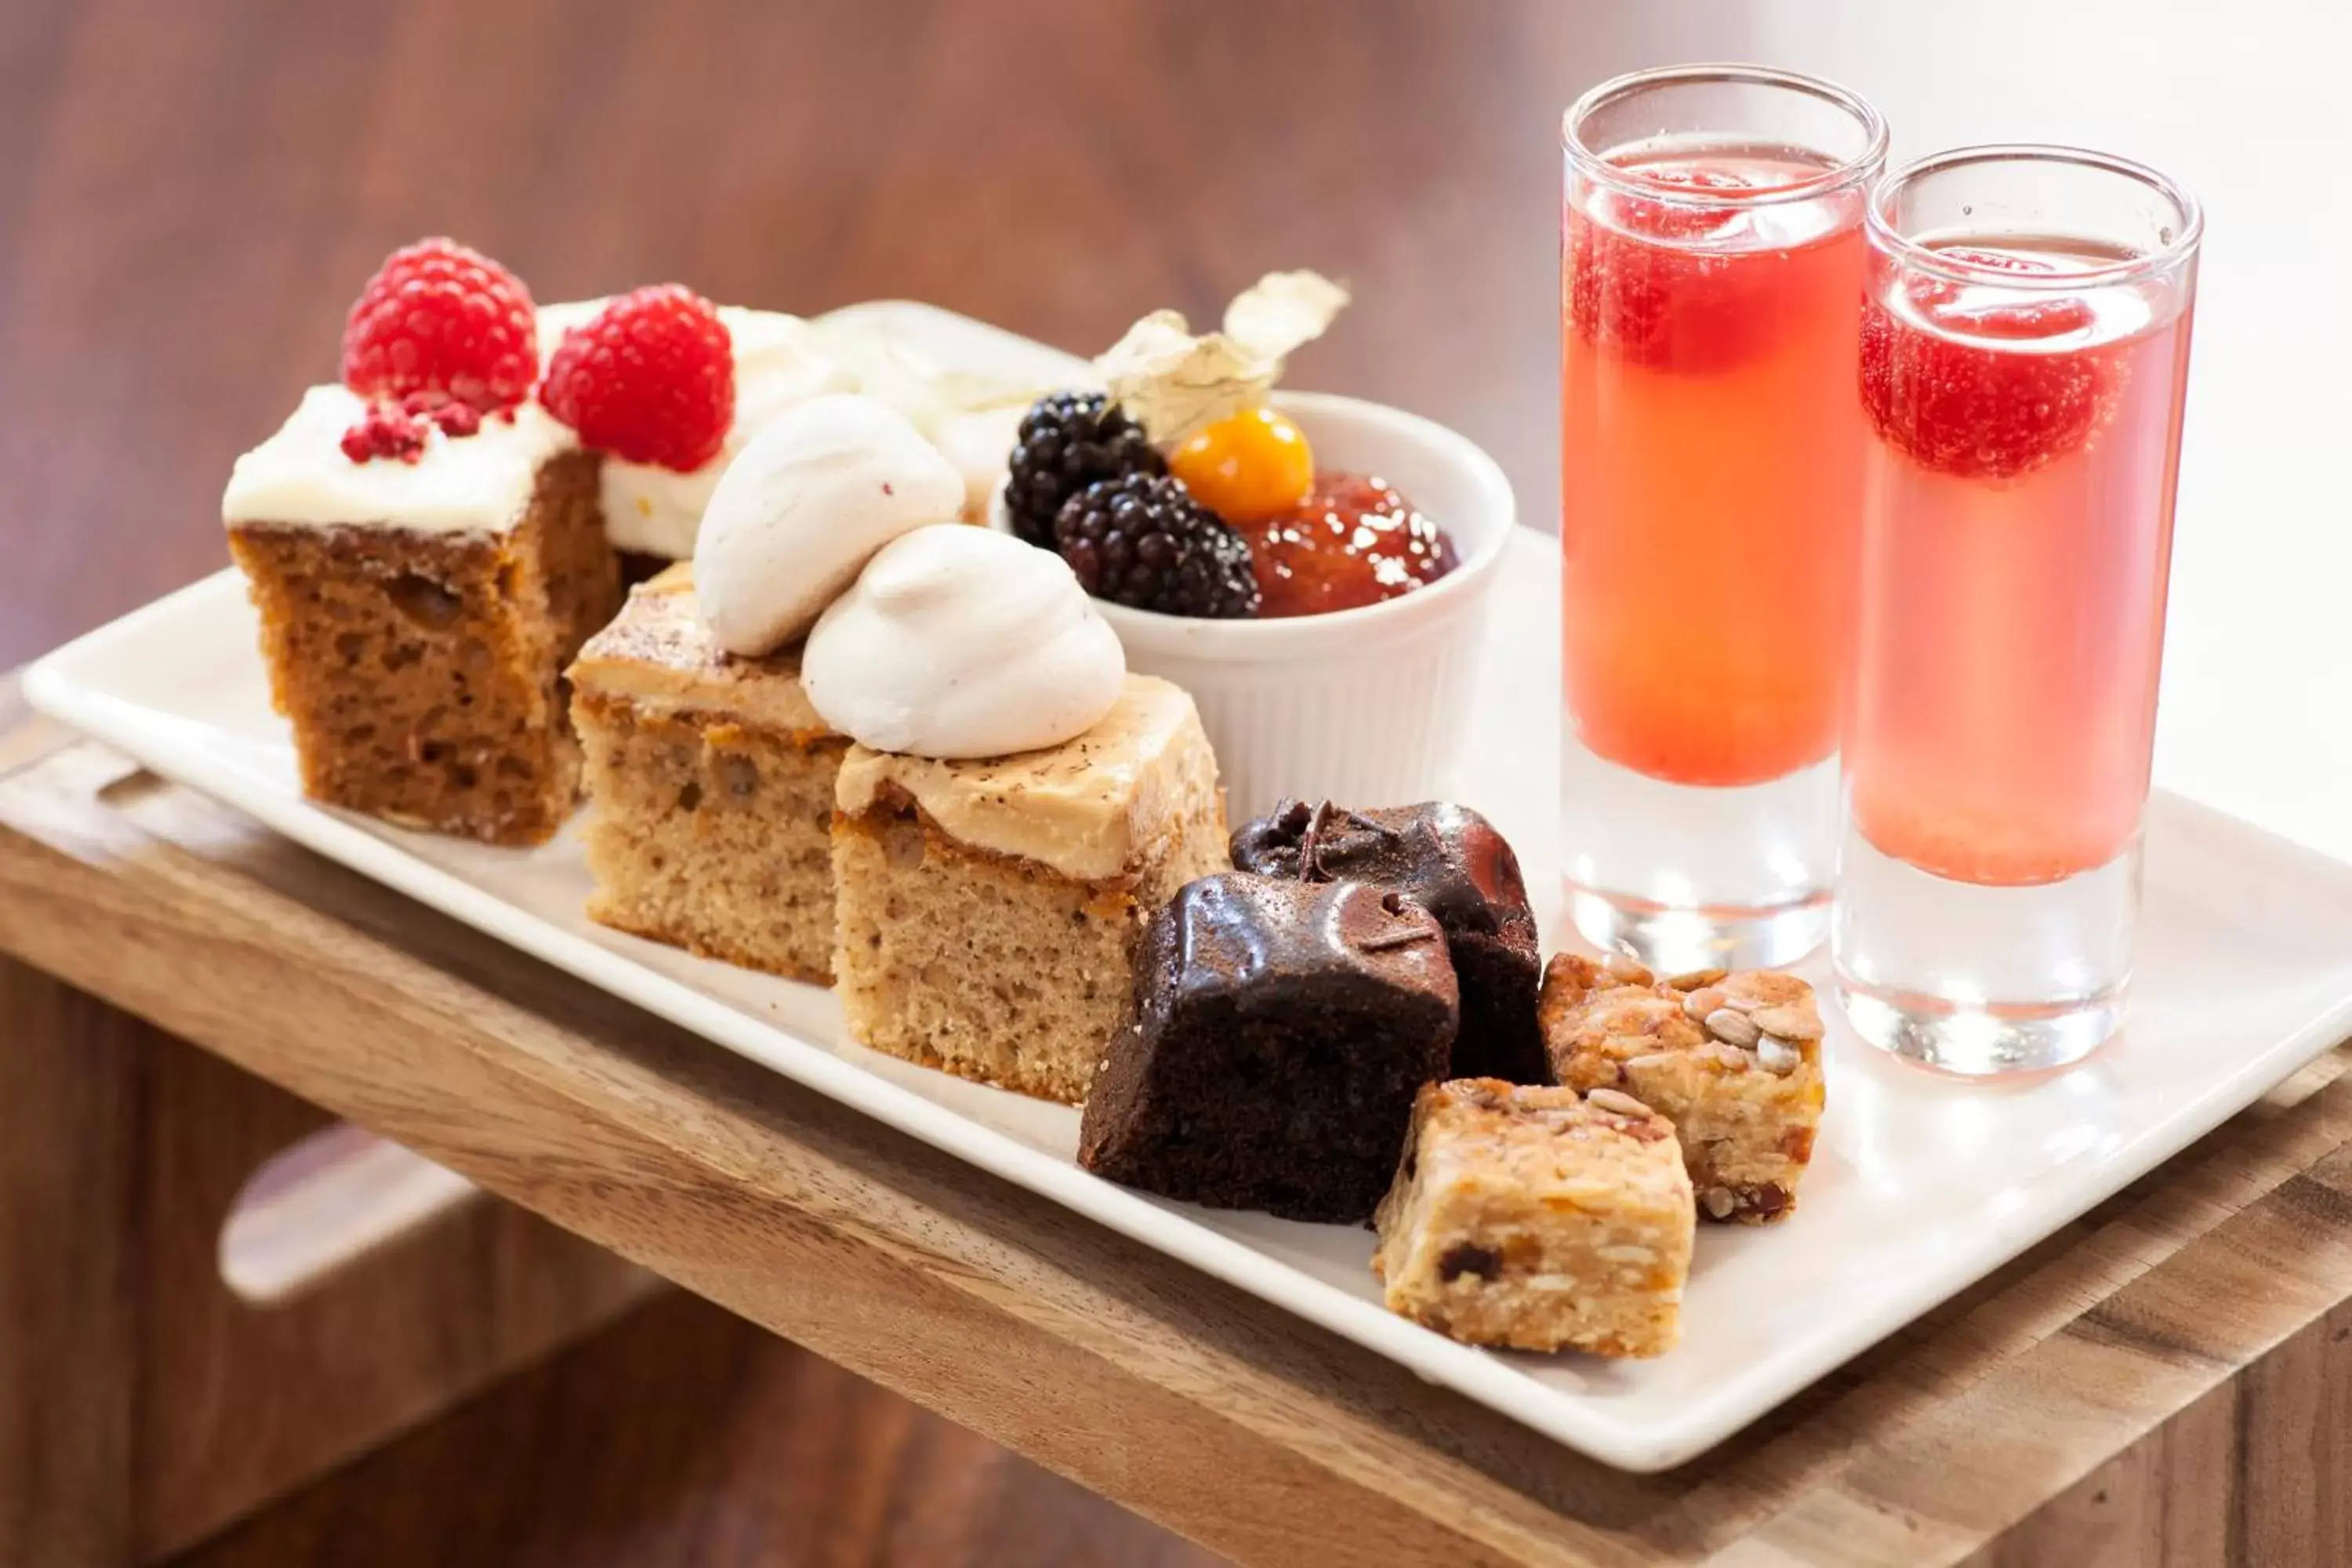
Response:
column 1348, row 1026
column 1282, row 1028
column 1182, row 490
column 1450, row 862
column 713, row 779
column 1732, row 1060
column 1538, row 1218
column 432, row 539
column 837, row 733
column 670, row 389
column 1016, row 805
column 426, row 552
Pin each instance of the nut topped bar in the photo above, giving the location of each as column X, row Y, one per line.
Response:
column 1734, row 1060
column 1539, row 1219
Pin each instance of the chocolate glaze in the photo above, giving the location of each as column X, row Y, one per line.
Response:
column 1282, row 1030
column 1450, row 862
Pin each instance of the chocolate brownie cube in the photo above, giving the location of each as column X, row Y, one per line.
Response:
column 1450, row 862
column 1282, row 1029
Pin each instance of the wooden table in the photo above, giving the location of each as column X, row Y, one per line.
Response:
column 2168, row 1381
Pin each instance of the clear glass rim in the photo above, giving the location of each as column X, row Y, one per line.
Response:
column 1878, row 219
column 1850, row 171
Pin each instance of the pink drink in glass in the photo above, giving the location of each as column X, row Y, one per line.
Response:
column 2024, row 388
column 1713, row 466
column 1711, row 473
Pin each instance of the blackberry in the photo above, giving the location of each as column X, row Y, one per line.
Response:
column 1144, row 540
column 1068, row 441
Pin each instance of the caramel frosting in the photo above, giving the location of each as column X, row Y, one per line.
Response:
column 659, row 654
column 1091, row 808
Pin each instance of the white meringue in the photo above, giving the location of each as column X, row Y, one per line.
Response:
column 804, row 506
column 961, row 642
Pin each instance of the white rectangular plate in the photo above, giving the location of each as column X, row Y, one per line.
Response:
column 1921, row 1184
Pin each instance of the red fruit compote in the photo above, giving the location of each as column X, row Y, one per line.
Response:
column 2024, row 389
column 1352, row 541
column 1710, row 503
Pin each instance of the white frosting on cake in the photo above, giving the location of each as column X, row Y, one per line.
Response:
column 459, row 484
column 813, row 495
column 655, row 510
column 961, row 642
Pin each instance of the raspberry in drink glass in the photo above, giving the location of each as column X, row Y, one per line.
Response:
column 1710, row 501
column 2024, row 354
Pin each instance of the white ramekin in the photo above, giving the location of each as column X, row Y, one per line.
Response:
column 1366, row 707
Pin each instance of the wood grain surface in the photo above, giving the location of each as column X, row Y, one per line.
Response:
column 2166, row 1381
column 689, row 1437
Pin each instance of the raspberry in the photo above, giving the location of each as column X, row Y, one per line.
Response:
column 390, row 429
column 437, row 317
column 453, row 417
column 650, row 377
column 1144, row 540
column 1662, row 305
column 385, row 430
column 2016, row 321
column 1981, row 412
column 1069, row 440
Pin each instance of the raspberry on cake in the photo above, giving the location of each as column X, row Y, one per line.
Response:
column 1282, row 1029
column 649, row 378
column 441, row 319
column 989, row 909
column 1734, row 1060
column 423, row 570
column 1538, row 1219
column 654, row 510
column 711, row 781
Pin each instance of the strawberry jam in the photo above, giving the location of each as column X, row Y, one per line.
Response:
column 1352, row 540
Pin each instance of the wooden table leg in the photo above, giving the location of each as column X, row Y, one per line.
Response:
column 67, row 1328
column 143, row 1404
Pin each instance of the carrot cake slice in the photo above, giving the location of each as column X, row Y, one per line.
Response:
column 419, row 599
column 989, row 909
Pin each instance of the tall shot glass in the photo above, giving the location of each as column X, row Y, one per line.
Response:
column 2024, row 353
column 1711, row 453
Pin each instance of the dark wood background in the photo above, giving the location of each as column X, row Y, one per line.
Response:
column 193, row 190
